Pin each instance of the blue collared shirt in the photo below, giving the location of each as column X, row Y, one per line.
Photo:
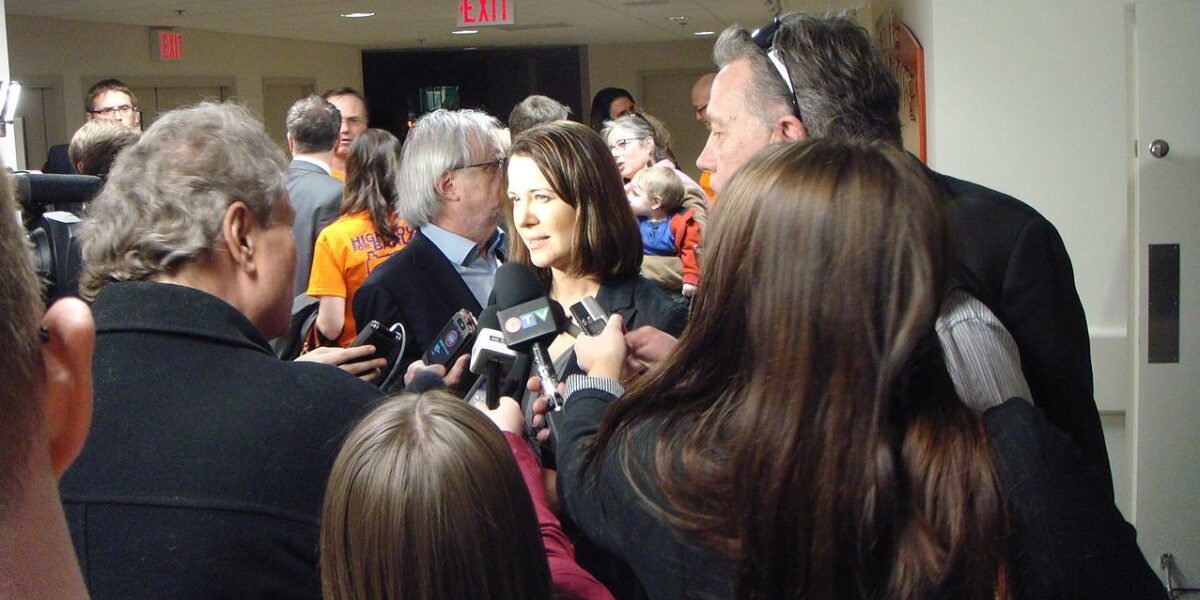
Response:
column 475, row 264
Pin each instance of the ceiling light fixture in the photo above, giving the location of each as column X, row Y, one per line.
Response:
column 703, row 33
column 464, row 31
column 357, row 15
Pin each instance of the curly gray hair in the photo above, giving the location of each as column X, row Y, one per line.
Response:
column 166, row 195
column 438, row 142
column 314, row 124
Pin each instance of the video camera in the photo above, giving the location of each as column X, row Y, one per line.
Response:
column 53, row 232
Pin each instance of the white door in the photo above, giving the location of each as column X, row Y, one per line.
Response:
column 1166, row 440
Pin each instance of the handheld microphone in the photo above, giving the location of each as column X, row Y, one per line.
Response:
column 529, row 322
column 490, row 355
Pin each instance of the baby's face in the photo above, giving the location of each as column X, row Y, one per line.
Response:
column 639, row 201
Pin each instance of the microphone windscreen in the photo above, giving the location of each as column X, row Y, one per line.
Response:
column 488, row 319
column 516, row 283
column 39, row 189
column 425, row 381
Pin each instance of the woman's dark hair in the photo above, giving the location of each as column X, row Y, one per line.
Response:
column 582, row 172
column 425, row 501
column 600, row 103
column 371, row 165
column 822, row 447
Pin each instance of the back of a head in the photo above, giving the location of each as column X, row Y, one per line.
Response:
column 535, row 110
column 663, row 184
column 95, row 146
column 426, row 501
column 20, row 312
column 851, row 481
column 438, row 142
column 843, row 86
column 167, row 194
column 313, row 124
column 581, row 170
column 371, row 167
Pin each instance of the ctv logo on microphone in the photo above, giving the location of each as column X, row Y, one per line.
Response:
column 528, row 322
column 530, row 319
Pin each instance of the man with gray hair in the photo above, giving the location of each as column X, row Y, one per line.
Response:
column 450, row 188
column 312, row 134
column 805, row 76
column 205, row 470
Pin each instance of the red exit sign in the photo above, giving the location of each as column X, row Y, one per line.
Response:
column 477, row 13
column 166, row 44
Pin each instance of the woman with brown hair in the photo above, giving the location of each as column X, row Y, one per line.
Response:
column 365, row 233
column 804, row 432
column 427, row 500
column 575, row 228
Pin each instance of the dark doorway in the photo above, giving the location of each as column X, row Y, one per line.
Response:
column 492, row 80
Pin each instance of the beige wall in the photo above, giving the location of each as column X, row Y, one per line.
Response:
column 38, row 50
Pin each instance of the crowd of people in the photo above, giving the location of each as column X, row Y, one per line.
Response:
column 850, row 377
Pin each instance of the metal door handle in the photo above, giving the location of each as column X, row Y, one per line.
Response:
column 1159, row 148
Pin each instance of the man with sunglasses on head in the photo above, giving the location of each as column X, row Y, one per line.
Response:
column 804, row 76
column 450, row 187
column 107, row 99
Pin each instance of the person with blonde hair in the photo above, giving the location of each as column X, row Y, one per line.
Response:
column 804, row 439
column 667, row 227
column 427, row 500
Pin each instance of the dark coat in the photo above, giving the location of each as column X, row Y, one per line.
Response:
column 1014, row 261
column 205, row 468
column 316, row 198
column 419, row 287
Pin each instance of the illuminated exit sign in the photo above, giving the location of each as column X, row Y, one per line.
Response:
column 481, row 13
column 166, row 44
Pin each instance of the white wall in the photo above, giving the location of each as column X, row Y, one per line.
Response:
column 81, row 53
column 1031, row 97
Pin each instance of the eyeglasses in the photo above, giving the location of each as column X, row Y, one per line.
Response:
column 621, row 145
column 123, row 110
column 764, row 38
column 491, row 164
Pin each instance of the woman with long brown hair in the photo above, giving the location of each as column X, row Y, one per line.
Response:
column 804, row 433
column 365, row 233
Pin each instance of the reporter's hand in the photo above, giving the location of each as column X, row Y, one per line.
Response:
column 451, row 379
column 540, row 409
column 689, row 290
column 647, row 346
column 348, row 360
column 603, row 355
column 507, row 415
column 416, row 367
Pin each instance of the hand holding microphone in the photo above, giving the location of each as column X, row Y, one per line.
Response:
column 603, row 355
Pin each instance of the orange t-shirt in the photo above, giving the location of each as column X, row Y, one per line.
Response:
column 706, row 185
column 345, row 253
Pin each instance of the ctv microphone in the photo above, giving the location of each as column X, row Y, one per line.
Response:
column 529, row 321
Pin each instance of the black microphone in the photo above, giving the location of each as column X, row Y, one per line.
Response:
column 529, row 321
column 490, row 356
column 39, row 189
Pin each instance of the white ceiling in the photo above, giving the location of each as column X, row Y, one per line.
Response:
column 428, row 23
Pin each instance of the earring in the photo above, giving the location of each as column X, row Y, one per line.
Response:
column 44, row 334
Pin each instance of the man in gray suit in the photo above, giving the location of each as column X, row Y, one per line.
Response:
column 312, row 134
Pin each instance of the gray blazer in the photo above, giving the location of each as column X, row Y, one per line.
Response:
column 315, row 198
